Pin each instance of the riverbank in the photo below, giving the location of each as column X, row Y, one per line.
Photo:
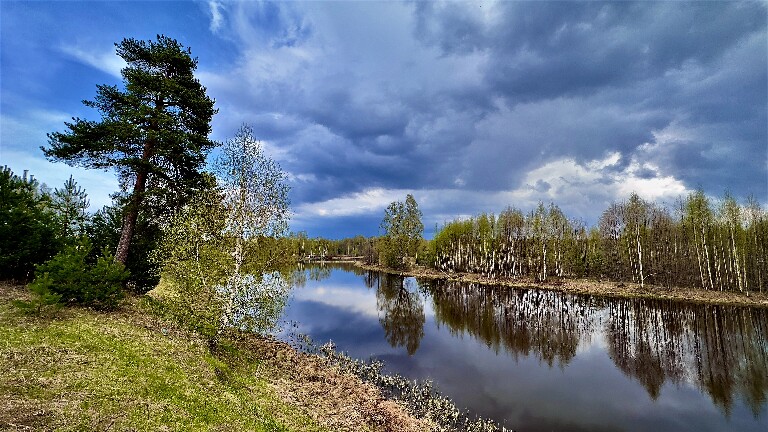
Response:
column 593, row 287
column 132, row 369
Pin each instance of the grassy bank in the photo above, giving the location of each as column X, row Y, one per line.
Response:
column 593, row 287
column 134, row 370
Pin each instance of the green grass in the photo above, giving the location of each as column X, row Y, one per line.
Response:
column 83, row 370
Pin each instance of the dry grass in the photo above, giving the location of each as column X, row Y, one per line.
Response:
column 339, row 401
column 135, row 370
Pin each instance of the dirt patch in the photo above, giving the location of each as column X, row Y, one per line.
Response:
column 339, row 401
column 594, row 287
column 13, row 291
column 19, row 415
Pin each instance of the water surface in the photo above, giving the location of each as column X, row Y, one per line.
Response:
column 540, row 360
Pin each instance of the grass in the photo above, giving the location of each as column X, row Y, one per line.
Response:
column 84, row 370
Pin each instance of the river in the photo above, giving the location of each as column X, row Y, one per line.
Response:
column 538, row 360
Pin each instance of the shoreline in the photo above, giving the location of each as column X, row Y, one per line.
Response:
column 599, row 288
column 102, row 354
column 294, row 386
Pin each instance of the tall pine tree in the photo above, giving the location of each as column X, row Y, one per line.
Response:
column 153, row 132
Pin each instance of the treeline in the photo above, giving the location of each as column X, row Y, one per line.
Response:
column 400, row 246
column 697, row 244
column 317, row 248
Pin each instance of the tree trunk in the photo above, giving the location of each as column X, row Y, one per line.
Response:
column 132, row 209
column 130, row 217
column 639, row 256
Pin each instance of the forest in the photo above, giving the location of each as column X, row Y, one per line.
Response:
column 699, row 243
column 696, row 244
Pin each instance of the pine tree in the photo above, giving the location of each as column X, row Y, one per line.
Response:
column 27, row 226
column 153, row 132
column 70, row 204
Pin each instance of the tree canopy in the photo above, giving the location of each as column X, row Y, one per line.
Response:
column 27, row 226
column 402, row 232
column 153, row 132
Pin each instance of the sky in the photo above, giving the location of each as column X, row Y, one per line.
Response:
column 469, row 106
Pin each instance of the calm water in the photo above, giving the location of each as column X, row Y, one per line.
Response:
column 540, row 361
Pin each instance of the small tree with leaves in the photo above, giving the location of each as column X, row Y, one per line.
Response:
column 255, row 198
column 218, row 257
column 254, row 192
column 194, row 264
column 402, row 233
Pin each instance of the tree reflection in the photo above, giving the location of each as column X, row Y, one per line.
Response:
column 543, row 323
column 315, row 272
column 401, row 310
column 722, row 350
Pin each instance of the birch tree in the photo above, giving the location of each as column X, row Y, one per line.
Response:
column 220, row 253
column 255, row 199
column 698, row 223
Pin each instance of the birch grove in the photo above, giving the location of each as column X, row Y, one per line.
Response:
column 721, row 246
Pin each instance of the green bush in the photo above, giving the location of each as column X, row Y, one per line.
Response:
column 71, row 276
column 43, row 300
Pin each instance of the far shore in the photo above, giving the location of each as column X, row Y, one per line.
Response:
column 603, row 288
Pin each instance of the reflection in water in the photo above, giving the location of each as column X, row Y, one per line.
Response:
column 401, row 312
column 546, row 324
column 316, row 272
column 722, row 350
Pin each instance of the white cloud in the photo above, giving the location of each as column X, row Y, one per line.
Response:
column 659, row 188
column 352, row 299
column 217, row 18
column 584, row 189
column 27, row 130
column 105, row 61
column 370, row 201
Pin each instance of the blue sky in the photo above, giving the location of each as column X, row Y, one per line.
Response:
column 469, row 106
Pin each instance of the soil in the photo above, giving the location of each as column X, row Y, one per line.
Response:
column 341, row 402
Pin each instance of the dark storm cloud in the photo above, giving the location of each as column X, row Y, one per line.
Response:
column 555, row 49
column 470, row 106
column 651, row 64
column 476, row 96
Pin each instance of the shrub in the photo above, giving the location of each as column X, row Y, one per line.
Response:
column 69, row 275
column 43, row 300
